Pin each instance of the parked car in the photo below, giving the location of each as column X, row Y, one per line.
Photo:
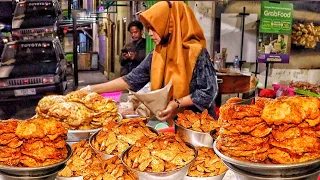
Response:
column 31, row 69
column 33, row 17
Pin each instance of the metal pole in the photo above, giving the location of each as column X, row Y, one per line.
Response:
column 267, row 73
column 75, row 51
column 243, row 15
column 69, row 9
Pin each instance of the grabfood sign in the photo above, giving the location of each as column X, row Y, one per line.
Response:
column 276, row 17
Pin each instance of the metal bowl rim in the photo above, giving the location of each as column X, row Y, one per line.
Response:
column 207, row 177
column 172, row 171
column 96, row 133
column 60, row 177
column 193, row 131
column 130, row 116
column 42, row 167
column 244, row 173
column 260, row 165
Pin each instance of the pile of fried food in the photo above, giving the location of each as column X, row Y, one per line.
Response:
column 163, row 153
column 32, row 143
column 207, row 164
column 85, row 162
column 315, row 88
column 285, row 130
column 114, row 138
column 306, row 35
column 78, row 110
column 201, row 122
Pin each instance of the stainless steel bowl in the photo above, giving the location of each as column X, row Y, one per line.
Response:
column 132, row 116
column 44, row 177
column 269, row 169
column 103, row 155
column 69, row 178
column 177, row 174
column 243, row 175
column 194, row 137
column 218, row 177
column 35, row 172
column 79, row 135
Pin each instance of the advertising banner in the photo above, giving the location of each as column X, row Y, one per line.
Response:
column 275, row 32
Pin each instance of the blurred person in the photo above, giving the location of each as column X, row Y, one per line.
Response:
column 134, row 52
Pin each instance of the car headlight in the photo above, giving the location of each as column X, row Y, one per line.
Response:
column 48, row 80
column 3, row 83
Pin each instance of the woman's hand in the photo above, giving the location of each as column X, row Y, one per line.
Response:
column 164, row 115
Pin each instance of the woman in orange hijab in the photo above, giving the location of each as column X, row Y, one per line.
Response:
column 180, row 55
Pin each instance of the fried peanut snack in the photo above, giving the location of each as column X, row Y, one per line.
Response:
column 82, row 157
column 78, row 110
column 207, row 164
column 159, row 154
column 198, row 122
column 114, row 138
column 32, row 143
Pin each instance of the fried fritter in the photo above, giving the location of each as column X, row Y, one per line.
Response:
column 159, row 154
column 76, row 96
column 207, row 164
column 47, row 102
column 198, row 122
column 114, row 138
column 114, row 169
column 277, row 155
column 298, row 145
column 39, row 128
column 8, row 126
column 239, row 111
column 74, row 114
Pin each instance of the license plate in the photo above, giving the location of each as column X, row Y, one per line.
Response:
column 25, row 92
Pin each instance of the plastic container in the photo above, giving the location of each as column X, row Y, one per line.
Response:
column 113, row 95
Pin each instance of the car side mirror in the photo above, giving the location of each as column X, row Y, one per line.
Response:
column 61, row 56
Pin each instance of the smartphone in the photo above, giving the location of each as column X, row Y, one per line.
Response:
column 124, row 51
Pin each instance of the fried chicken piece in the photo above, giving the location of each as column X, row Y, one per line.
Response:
column 74, row 114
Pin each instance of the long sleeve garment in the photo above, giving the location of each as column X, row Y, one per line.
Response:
column 203, row 85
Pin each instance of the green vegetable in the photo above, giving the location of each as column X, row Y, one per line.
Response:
column 308, row 93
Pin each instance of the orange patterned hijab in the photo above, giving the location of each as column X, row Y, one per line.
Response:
column 176, row 59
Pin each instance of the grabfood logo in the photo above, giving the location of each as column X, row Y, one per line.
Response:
column 277, row 14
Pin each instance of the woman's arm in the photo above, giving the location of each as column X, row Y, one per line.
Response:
column 115, row 85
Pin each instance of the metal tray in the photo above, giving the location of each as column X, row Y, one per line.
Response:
column 269, row 169
column 177, row 174
column 218, row 177
column 79, row 135
column 243, row 175
column 35, row 171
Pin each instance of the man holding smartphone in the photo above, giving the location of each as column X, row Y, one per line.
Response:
column 134, row 52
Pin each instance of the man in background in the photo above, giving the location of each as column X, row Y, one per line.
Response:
column 134, row 52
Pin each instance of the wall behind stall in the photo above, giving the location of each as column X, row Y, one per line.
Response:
column 300, row 58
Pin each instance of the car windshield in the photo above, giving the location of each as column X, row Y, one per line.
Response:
column 28, row 53
column 34, row 9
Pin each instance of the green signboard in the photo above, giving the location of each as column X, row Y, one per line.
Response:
column 276, row 17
